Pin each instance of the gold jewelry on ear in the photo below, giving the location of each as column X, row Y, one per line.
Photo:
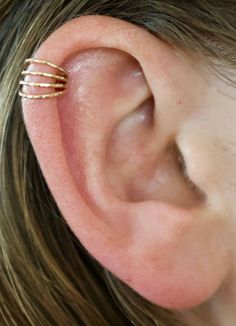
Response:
column 60, row 80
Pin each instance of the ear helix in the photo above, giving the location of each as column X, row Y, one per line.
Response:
column 59, row 83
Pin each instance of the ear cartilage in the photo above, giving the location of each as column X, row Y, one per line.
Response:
column 59, row 82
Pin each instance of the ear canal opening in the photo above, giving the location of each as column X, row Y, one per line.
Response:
column 150, row 102
column 184, row 171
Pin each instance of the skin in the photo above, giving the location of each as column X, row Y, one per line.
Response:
column 109, row 150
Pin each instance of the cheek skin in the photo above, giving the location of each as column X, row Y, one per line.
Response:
column 208, row 143
column 201, row 263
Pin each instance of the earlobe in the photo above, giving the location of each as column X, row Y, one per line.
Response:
column 104, row 151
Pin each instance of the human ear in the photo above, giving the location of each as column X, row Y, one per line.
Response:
column 108, row 149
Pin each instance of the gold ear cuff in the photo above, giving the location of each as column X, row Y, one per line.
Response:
column 59, row 83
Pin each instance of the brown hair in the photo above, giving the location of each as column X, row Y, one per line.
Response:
column 46, row 276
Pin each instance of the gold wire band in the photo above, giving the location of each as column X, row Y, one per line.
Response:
column 44, row 74
column 61, row 76
column 40, row 96
column 42, row 84
column 50, row 64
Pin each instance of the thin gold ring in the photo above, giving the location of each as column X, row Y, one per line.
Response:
column 60, row 76
column 40, row 96
column 56, row 85
column 35, row 60
column 44, row 74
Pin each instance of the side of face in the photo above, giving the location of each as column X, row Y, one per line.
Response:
column 109, row 151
